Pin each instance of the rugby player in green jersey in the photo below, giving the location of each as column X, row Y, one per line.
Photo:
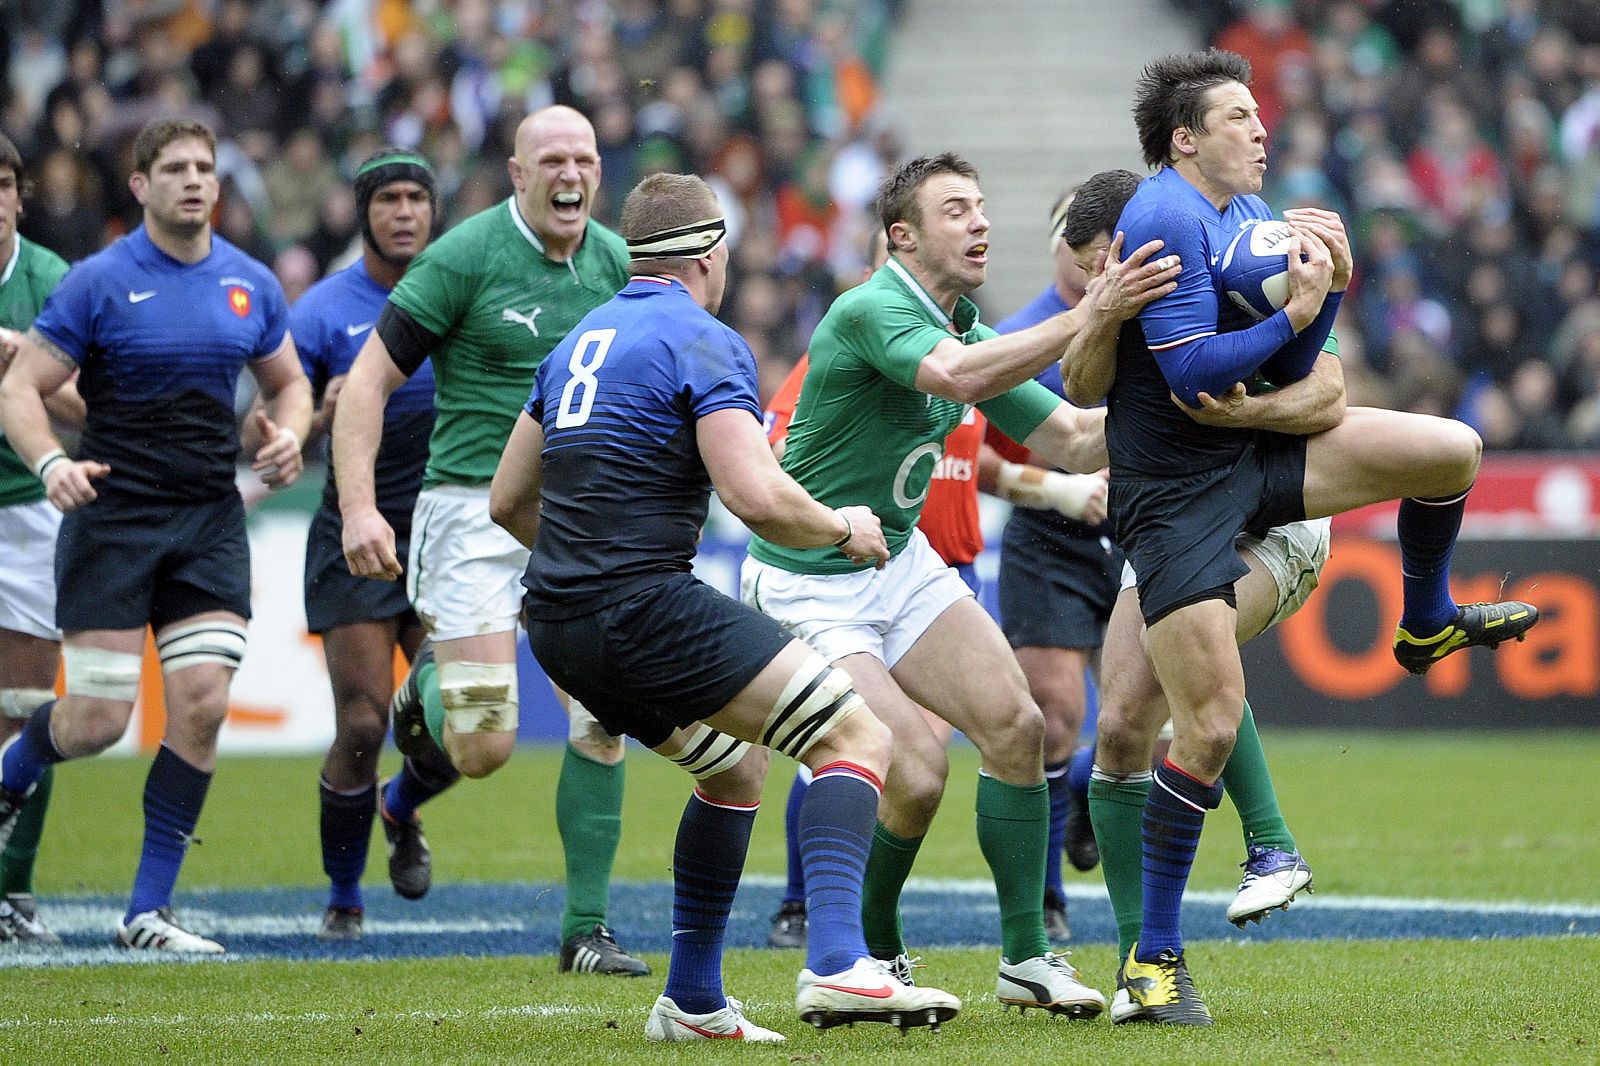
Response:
column 487, row 302
column 29, row 642
column 894, row 365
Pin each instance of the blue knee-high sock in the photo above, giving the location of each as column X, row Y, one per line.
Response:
column 26, row 759
column 1173, row 817
column 707, row 860
column 174, row 792
column 1079, row 769
column 836, row 823
column 346, row 834
column 1055, row 775
column 412, row 787
column 1427, row 531
column 795, row 891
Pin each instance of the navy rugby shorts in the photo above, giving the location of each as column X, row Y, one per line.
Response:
column 335, row 596
column 1179, row 532
column 122, row 564
column 660, row 659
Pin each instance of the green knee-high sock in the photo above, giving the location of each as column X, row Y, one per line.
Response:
column 16, row 862
column 889, row 863
column 1116, row 808
column 1014, row 835
column 432, row 702
column 589, row 816
column 1248, row 783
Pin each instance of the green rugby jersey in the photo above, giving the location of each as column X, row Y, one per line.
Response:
column 499, row 306
column 862, row 433
column 29, row 277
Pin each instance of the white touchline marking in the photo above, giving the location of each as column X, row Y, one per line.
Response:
column 973, row 886
column 304, row 1017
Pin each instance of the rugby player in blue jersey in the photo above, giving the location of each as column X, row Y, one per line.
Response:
column 645, row 406
column 1186, row 478
column 157, row 327
column 361, row 619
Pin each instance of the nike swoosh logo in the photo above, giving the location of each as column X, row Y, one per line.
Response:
column 881, row 992
column 358, row 329
column 139, row 297
column 707, row 1033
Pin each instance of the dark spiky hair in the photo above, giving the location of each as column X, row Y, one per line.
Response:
column 1171, row 95
column 1097, row 206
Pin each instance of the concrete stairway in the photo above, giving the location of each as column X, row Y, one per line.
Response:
column 1037, row 95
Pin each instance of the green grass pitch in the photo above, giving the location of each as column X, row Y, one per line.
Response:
column 1479, row 817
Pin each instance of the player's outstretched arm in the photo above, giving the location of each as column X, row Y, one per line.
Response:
column 1118, row 293
column 972, row 373
column 357, row 431
column 753, row 486
column 1072, row 438
column 38, row 370
column 514, row 492
column 1311, row 405
column 285, row 417
column 1080, row 496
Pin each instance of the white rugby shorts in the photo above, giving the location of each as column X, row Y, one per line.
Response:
column 28, row 569
column 1293, row 554
column 463, row 572
column 881, row 612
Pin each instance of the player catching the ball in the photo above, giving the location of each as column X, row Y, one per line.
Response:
column 1187, row 477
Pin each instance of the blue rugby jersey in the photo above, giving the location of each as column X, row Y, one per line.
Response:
column 330, row 323
column 625, row 490
column 160, row 344
column 1187, row 342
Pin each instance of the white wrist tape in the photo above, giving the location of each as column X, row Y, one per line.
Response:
column 1029, row 486
column 49, row 460
column 285, row 431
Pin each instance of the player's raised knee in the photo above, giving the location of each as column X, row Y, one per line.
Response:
column 480, row 754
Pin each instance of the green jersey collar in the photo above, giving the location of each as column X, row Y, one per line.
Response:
column 966, row 316
column 11, row 264
column 522, row 225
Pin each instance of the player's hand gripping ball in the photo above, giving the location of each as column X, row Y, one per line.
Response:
column 1255, row 268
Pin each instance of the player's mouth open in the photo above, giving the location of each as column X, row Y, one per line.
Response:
column 979, row 253
column 567, row 204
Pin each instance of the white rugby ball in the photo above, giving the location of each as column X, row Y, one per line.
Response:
column 1255, row 268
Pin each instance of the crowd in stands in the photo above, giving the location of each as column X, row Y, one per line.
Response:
column 774, row 101
column 1460, row 139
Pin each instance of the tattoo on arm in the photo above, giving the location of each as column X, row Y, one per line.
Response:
column 52, row 349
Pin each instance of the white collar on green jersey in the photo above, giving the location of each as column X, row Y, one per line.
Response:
column 522, row 224
column 918, row 291
column 970, row 311
column 16, row 253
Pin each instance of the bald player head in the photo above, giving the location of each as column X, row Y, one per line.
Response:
column 556, row 170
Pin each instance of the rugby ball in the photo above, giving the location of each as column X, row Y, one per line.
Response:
column 1255, row 268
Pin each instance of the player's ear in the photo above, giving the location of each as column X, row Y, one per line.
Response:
column 514, row 168
column 1183, row 141
column 138, row 183
column 901, row 238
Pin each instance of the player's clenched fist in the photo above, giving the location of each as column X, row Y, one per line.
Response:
column 369, row 546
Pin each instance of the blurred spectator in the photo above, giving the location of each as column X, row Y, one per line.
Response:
column 297, row 181
column 62, row 215
column 1276, row 46
column 296, row 269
